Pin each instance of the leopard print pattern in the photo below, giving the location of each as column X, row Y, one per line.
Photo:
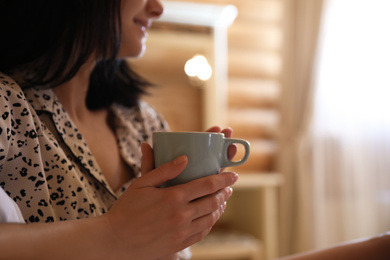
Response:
column 46, row 166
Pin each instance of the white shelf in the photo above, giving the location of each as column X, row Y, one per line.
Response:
column 227, row 245
column 258, row 180
column 208, row 15
column 218, row 18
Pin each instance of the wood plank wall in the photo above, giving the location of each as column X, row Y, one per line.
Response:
column 254, row 66
column 255, row 62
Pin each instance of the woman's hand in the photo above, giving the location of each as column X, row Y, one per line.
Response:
column 170, row 257
column 152, row 222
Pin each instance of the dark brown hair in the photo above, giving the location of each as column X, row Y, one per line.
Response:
column 54, row 38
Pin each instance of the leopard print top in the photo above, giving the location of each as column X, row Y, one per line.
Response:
column 45, row 165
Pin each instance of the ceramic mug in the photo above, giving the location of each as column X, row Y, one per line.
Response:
column 206, row 152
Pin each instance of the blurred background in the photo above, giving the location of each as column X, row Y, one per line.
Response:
column 307, row 83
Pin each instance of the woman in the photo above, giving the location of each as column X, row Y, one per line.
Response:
column 73, row 136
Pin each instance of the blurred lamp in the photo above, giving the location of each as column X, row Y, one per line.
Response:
column 198, row 68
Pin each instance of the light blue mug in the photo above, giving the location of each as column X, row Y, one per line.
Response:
column 206, row 152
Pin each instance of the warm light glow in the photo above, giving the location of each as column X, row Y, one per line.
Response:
column 198, row 67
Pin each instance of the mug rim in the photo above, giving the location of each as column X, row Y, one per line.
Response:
column 186, row 132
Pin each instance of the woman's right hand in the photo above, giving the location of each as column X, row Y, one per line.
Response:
column 148, row 222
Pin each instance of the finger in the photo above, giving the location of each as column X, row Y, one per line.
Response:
column 147, row 163
column 205, row 223
column 228, row 132
column 206, row 205
column 209, row 220
column 163, row 173
column 208, row 185
column 214, row 129
column 232, row 150
column 195, row 238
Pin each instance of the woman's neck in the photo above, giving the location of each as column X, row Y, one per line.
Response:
column 73, row 93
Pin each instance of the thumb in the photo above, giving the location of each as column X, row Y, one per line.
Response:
column 163, row 173
column 147, row 162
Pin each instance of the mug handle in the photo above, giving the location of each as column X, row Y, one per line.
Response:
column 225, row 160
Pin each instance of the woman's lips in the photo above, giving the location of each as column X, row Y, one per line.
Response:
column 143, row 24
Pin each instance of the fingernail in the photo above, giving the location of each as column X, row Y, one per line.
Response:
column 180, row 160
column 230, row 191
column 235, row 177
column 223, row 207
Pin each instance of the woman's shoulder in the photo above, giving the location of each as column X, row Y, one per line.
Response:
column 16, row 119
column 9, row 88
column 13, row 102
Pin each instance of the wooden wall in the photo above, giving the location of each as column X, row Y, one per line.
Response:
column 254, row 67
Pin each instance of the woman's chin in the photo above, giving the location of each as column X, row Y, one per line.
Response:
column 135, row 54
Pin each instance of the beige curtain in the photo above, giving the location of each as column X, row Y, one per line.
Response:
column 335, row 139
column 302, row 25
column 351, row 122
